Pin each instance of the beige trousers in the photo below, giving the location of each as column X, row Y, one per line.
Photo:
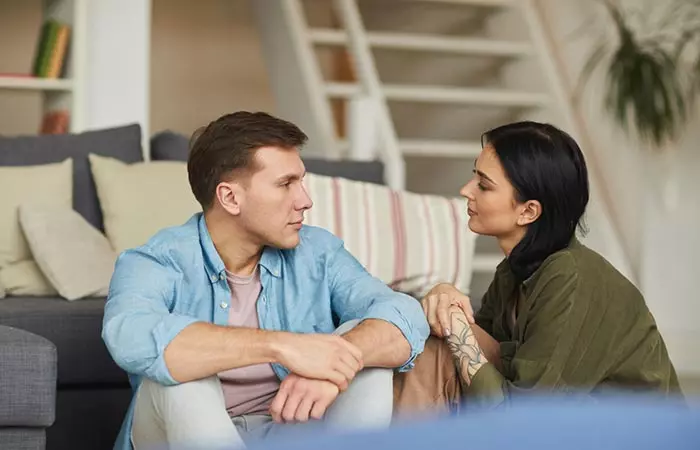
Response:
column 432, row 388
column 193, row 415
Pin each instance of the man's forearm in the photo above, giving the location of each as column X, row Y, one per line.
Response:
column 382, row 343
column 203, row 349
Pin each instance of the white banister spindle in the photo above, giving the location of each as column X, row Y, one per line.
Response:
column 312, row 77
column 371, row 86
column 361, row 128
column 294, row 73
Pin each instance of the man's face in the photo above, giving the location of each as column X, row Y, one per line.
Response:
column 274, row 199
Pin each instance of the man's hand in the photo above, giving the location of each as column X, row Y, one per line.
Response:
column 436, row 305
column 320, row 356
column 302, row 398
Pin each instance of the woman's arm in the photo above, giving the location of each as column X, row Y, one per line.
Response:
column 468, row 354
column 541, row 360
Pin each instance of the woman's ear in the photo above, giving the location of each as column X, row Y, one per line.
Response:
column 531, row 211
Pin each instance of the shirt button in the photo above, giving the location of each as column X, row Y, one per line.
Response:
column 223, row 305
column 222, row 276
column 214, row 278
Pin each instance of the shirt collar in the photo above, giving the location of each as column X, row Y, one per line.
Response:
column 213, row 263
column 271, row 259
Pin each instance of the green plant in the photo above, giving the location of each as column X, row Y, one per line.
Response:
column 652, row 68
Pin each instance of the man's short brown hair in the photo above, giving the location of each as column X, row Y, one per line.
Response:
column 227, row 147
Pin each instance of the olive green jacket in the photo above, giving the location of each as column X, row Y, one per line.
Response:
column 581, row 328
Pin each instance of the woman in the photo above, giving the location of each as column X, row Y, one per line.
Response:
column 557, row 318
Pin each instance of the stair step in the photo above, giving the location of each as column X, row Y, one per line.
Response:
column 433, row 148
column 486, row 3
column 486, row 262
column 441, row 94
column 438, row 148
column 420, row 42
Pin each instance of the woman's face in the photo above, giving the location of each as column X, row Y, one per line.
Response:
column 491, row 204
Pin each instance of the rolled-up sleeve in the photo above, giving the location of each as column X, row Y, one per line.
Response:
column 356, row 294
column 137, row 324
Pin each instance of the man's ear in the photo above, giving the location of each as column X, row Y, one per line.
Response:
column 229, row 196
column 531, row 211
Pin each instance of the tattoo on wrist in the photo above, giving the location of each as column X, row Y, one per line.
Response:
column 465, row 349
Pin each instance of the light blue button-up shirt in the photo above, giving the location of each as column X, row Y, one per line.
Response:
column 178, row 278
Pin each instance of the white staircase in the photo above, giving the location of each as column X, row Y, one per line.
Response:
column 429, row 76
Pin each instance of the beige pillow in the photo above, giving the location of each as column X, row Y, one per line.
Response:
column 140, row 199
column 26, row 279
column 48, row 184
column 73, row 255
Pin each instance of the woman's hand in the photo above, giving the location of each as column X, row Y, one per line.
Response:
column 436, row 305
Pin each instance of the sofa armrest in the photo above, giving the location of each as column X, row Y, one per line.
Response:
column 27, row 379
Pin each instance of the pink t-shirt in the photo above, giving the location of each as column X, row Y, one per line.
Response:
column 247, row 390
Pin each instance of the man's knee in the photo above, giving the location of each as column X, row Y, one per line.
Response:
column 368, row 401
column 182, row 414
column 346, row 326
column 207, row 390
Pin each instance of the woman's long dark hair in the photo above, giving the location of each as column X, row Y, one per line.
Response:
column 543, row 163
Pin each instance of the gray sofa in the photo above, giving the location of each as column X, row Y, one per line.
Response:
column 92, row 391
column 27, row 389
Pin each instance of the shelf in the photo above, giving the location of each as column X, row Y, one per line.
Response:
column 36, row 84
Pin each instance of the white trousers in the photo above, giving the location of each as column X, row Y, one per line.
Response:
column 193, row 415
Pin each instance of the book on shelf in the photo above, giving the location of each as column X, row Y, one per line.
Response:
column 51, row 50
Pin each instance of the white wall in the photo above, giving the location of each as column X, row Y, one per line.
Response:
column 671, row 244
column 663, row 241
column 206, row 60
column 118, row 60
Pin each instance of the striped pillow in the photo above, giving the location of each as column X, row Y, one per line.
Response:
column 409, row 241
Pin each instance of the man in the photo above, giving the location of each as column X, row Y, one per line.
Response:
column 226, row 324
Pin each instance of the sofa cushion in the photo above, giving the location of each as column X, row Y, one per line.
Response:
column 409, row 241
column 138, row 200
column 25, row 278
column 169, row 146
column 23, row 438
column 27, row 379
column 36, row 185
column 368, row 171
column 123, row 143
column 75, row 328
column 44, row 184
column 74, row 256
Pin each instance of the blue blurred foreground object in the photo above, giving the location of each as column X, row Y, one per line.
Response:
column 630, row 423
